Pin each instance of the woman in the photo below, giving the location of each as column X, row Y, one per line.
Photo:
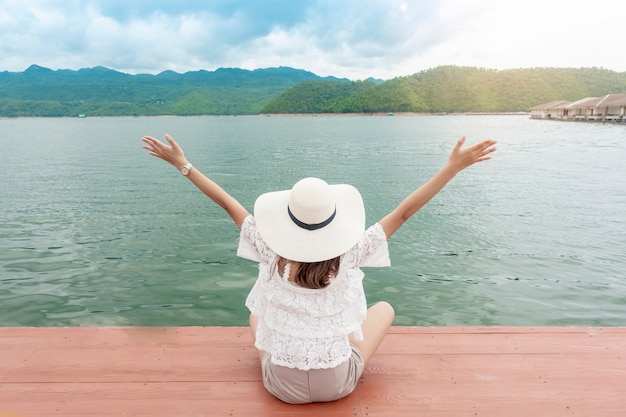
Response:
column 309, row 318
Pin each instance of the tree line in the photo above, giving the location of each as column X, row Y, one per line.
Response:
column 230, row 91
column 450, row 89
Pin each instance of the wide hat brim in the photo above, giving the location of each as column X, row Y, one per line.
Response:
column 293, row 242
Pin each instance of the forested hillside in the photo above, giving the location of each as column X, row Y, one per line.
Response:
column 454, row 89
column 101, row 91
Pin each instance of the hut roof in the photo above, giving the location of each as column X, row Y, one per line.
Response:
column 551, row 105
column 604, row 101
column 612, row 100
column 585, row 102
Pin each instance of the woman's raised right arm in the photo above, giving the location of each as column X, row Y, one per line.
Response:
column 460, row 158
column 174, row 155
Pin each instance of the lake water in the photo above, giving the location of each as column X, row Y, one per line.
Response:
column 93, row 231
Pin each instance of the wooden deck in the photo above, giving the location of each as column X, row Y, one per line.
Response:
column 214, row 371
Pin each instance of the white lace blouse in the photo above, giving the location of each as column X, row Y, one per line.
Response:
column 308, row 328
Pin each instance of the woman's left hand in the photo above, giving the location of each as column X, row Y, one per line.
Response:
column 172, row 154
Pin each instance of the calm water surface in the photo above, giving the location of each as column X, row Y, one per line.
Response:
column 95, row 232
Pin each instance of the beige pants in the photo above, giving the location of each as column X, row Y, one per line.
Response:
column 296, row 386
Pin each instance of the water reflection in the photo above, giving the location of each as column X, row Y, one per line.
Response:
column 96, row 233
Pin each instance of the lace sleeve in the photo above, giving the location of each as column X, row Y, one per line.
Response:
column 251, row 246
column 373, row 249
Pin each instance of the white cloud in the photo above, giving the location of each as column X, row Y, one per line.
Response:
column 531, row 33
column 352, row 38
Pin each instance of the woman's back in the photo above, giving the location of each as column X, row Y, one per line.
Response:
column 309, row 328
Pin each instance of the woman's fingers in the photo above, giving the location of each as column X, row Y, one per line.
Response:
column 153, row 146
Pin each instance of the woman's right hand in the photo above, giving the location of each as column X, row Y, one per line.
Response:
column 461, row 158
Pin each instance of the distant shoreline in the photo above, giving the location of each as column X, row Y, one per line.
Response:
column 393, row 114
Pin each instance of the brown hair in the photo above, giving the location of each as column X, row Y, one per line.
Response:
column 313, row 275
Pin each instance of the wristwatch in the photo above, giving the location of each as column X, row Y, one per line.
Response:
column 185, row 169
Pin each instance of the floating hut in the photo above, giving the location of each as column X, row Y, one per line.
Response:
column 608, row 108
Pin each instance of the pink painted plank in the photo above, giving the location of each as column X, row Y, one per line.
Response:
column 189, row 371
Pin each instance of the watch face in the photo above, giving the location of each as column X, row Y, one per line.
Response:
column 184, row 170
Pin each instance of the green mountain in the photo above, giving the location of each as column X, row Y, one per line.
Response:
column 452, row 89
column 101, row 91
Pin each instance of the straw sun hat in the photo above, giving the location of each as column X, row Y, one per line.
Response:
column 312, row 222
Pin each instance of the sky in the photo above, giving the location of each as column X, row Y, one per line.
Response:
column 354, row 39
